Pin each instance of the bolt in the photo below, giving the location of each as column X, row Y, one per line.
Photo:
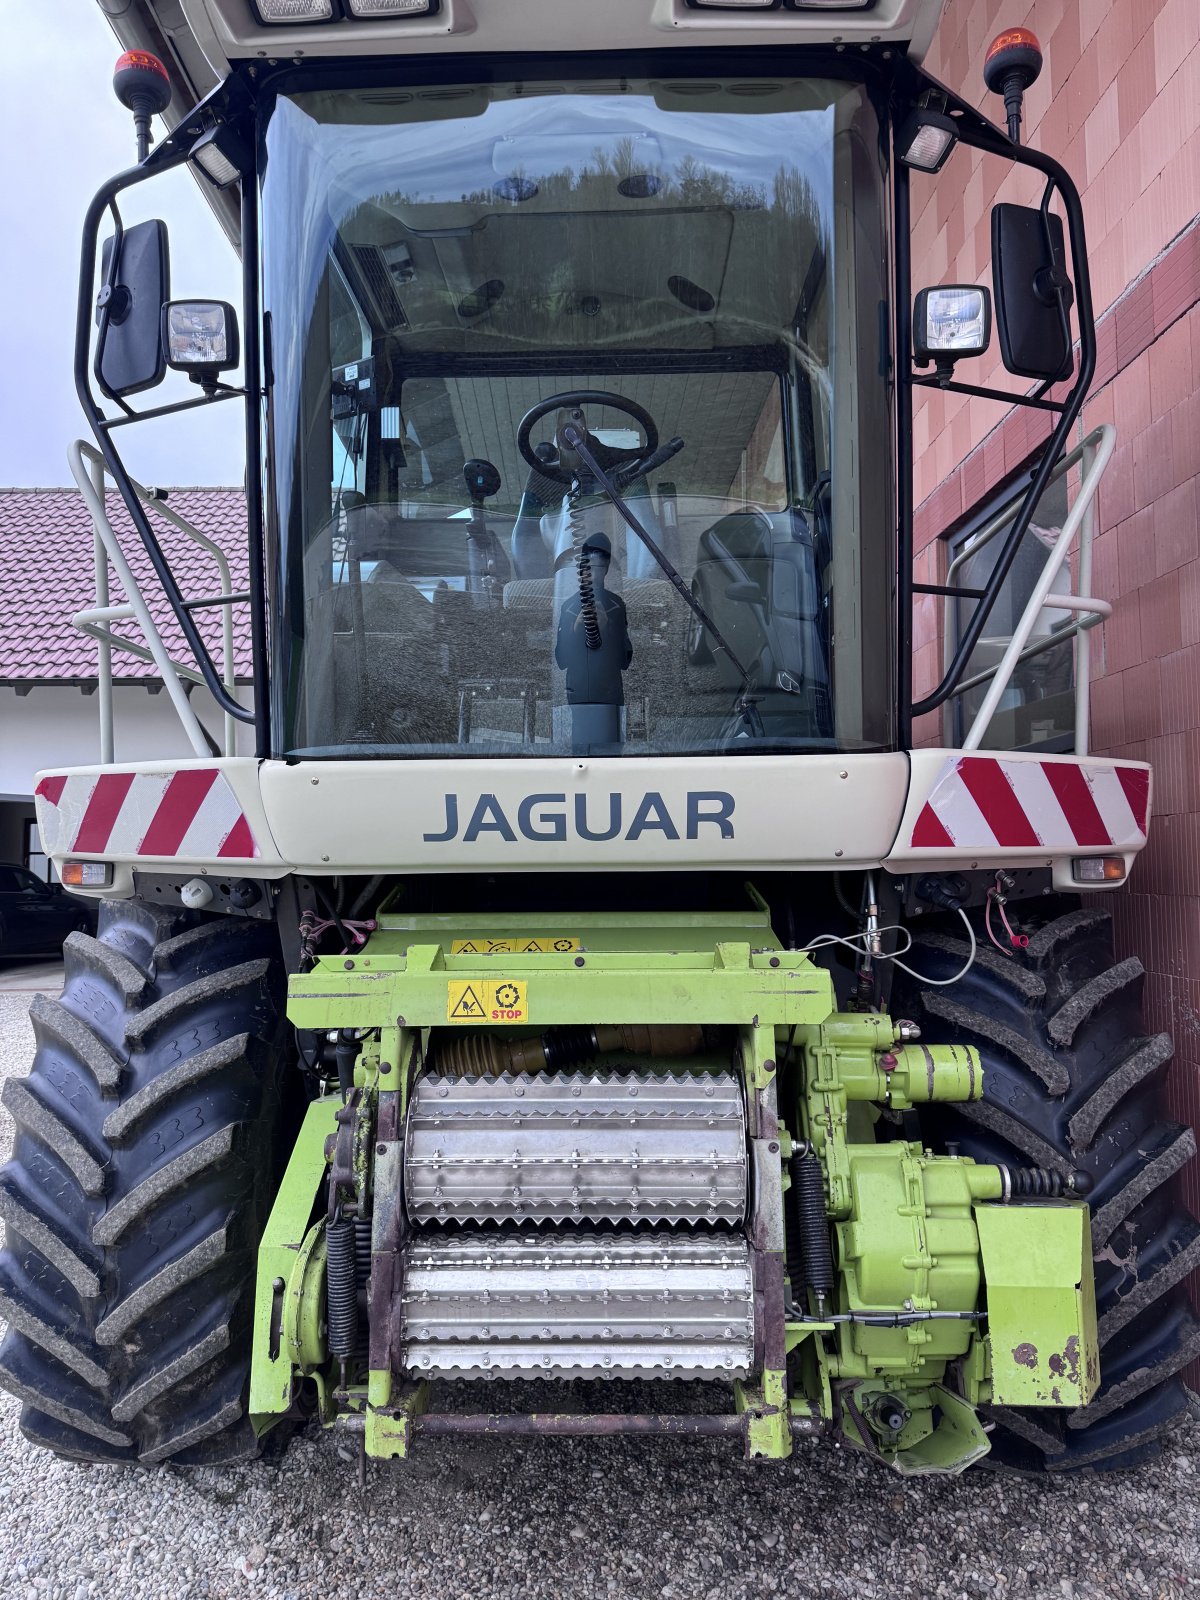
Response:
column 769, row 1065
column 349, row 966
column 774, row 961
column 579, row 961
column 836, row 853
column 381, row 1149
column 385, row 1066
column 888, row 1061
column 279, row 1285
column 314, row 782
column 907, row 1031
column 773, row 1148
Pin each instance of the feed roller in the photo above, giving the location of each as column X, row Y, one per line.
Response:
column 577, row 1147
column 492, row 1305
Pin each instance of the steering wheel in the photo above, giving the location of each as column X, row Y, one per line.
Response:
column 607, row 455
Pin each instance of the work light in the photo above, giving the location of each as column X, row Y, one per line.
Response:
column 294, row 10
column 200, row 337
column 951, row 322
column 925, row 139
column 390, row 8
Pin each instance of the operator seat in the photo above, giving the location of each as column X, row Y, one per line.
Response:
column 779, row 634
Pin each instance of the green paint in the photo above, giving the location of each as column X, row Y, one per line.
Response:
column 942, row 1434
column 909, row 1242
column 912, row 1232
column 389, row 1422
column 281, row 1252
column 1041, row 1304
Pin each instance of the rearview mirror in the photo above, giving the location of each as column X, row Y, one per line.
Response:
column 129, row 355
column 951, row 323
column 1033, row 292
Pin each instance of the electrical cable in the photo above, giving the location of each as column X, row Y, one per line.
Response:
column 853, row 943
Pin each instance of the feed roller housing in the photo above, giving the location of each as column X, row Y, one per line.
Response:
column 632, row 1210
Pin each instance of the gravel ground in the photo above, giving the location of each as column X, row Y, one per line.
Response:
column 573, row 1519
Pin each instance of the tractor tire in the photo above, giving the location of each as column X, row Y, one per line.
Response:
column 149, row 1142
column 1071, row 1081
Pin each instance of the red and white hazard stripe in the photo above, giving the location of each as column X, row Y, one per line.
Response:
column 984, row 802
column 192, row 813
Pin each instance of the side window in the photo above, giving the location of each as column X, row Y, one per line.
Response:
column 1037, row 708
column 8, row 880
column 25, row 882
column 35, row 857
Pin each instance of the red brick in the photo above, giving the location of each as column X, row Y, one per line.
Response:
column 1175, row 758
column 1123, row 646
column 1105, row 568
column 1181, row 689
column 1131, row 399
column 1175, row 280
column 1107, row 711
column 1160, row 615
column 1135, row 322
column 1185, row 436
column 1153, row 470
column 1170, row 358
column 1176, row 32
column 1135, row 556
column 1116, row 486
column 1188, row 578
column 1141, row 688
column 1176, row 537
column 1115, row 40
column 1106, row 355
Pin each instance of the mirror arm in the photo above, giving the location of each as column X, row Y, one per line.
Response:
column 976, row 131
column 168, row 156
column 222, row 393
column 930, row 380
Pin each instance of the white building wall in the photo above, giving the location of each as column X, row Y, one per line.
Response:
column 59, row 726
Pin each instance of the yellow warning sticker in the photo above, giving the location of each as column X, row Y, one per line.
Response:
column 519, row 945
column 487, row 1000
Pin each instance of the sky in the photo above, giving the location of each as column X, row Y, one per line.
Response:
column 63, row 134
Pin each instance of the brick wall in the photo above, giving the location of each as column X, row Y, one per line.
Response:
column 1119, row 104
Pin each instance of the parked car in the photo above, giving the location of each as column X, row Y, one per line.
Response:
column 36, row 917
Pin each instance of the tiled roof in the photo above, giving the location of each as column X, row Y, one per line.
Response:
column 47, row 575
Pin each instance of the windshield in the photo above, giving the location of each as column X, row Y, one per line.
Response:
column 692, row 273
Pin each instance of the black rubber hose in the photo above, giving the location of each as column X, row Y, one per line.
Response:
column 815, row 1248
column 341, row 1289
column 346, row 1053
column 1043, row 1183
column 568, row 1047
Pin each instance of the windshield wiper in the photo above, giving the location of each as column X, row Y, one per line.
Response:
column 575, row 439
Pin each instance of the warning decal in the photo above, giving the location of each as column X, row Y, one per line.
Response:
column 519, row 944
column 487, row 1000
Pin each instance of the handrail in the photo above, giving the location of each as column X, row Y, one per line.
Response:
column 1095, row 611
column 88, row 468
column 1094, row 452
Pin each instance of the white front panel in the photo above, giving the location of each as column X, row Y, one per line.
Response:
column 228, row 31
column 464, row 816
